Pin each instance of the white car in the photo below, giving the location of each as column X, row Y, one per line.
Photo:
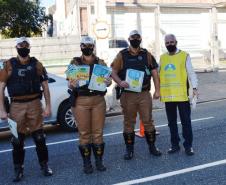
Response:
column 61, row 108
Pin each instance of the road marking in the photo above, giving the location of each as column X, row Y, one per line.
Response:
column 110, row 134
column 173, row 173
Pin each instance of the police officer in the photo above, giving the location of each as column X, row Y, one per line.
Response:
column 175, row 71
column 89, row 110
column 140, row 59
column 23, row 76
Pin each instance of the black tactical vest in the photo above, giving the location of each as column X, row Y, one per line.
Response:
column 24, row 79
column 84, row 91
column 137, row 62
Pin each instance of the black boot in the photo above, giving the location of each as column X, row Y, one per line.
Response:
column 129, row 141
column 150, row 138
column 42, row 152
column 18, row 156
column 98, row 150
column 46, row 170
column 19, row 172
column 85, row 151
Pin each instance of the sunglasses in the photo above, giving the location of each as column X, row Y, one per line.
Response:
column 87, row 45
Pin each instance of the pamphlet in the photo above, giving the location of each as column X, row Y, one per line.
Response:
column 99, row 74
column 13, row 127
column 78, row 72
column 135, row 80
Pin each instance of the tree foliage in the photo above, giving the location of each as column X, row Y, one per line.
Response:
column 21, row 18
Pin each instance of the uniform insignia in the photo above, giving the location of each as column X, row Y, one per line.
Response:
column 140, row 58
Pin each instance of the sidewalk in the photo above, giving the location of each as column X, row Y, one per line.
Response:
column 212, row 86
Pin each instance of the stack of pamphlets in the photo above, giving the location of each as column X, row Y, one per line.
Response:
column 99, row 74
column 78, row 72
column 135, row 80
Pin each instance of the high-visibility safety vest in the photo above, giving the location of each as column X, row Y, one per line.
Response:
column 173, row 77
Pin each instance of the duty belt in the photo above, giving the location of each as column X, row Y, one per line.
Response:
column 23, row 100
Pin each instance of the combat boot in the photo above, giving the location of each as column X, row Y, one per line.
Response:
column 129, row 141
column 150, row 138
column 19, row 172
column 18, row 153
column 46, row 170
column 85, row 151
column 98, row 150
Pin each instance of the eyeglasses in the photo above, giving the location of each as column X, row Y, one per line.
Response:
column 169, row 42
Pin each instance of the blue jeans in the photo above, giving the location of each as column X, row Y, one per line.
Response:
column 185, row 117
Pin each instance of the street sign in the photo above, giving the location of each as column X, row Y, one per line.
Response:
column 101, row 29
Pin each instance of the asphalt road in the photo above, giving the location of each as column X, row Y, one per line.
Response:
column 206, row 167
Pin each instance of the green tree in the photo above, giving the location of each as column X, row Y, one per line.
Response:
column 21, row 18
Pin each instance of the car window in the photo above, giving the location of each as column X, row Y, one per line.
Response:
column 118, row 43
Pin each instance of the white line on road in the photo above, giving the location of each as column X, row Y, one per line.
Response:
column 110, row 134
column 173, row 173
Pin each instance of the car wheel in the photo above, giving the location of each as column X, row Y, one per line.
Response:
column 65, row 117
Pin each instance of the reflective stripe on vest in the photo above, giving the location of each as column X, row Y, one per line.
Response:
column 173, row 77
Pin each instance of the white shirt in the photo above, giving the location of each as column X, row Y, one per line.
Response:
column 190, row 71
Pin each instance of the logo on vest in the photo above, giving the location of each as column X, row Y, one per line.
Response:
column 22, row 72
column 170, row 67
column 140, row 58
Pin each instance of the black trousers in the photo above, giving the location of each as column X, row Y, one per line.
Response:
column 185, row 117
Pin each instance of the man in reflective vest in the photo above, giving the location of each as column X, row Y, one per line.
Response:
column 175, row 71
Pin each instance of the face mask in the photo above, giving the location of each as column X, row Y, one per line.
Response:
column 171, row 48
column 87, row 51
column 23, row 52
column 135, row 43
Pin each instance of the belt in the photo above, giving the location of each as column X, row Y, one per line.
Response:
column 23, row 100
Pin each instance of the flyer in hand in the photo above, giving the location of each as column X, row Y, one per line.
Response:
column 135, row 80
column 99, row 74
column 13, row 127
column 78, row 72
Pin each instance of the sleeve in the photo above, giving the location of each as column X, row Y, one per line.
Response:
column 117, row 63
column 152, row 62
column 191, row 74
column 42, row 72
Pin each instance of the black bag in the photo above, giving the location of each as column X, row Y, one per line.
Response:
column 118, row 92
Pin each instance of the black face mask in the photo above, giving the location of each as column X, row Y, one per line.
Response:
column 171, row 48
column 135, row 43
column 23, row 52
column 87, row 51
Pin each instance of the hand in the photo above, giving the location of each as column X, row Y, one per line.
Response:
column 73, row 83
column 3, row 115
column 123, row 84
column 195, row 93
column 156, row 95
column 46, row 112
column 108, row 81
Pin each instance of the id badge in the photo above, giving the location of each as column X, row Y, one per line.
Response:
column 147, row 71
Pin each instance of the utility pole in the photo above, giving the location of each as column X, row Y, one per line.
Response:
column 214, row 43
column 157, row 31
column 101, row 29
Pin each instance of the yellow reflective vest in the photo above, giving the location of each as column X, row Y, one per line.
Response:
column 173, row 77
